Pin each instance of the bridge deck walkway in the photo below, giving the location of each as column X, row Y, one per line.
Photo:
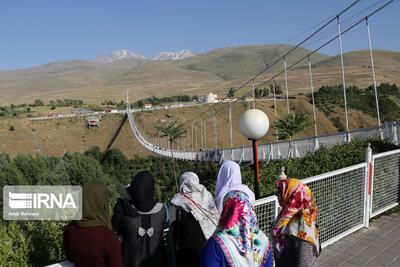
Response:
column 378, row 245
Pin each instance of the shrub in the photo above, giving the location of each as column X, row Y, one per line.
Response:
column 14, row 245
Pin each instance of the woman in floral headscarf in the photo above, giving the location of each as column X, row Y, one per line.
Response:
column 238, row 240
column 294, row 232
column 195, row 218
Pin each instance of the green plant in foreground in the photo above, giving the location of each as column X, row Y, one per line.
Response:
column 173, row 131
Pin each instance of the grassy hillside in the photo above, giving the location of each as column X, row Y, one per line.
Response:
column 214, row 71
column 357, row 68
column 74, row 78
column 57, row 136
column 91, row 82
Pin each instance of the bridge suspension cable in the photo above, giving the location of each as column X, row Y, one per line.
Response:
column 286, row 85
column 373, row 71
column 276, row 116
column 343, row 79
column 230, row 121
column 215, row 130
column 312, row 96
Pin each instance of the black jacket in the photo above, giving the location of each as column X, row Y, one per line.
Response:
column 189, row 239
column 141, row 234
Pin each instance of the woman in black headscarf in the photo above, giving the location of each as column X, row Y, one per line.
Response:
column 139, row 221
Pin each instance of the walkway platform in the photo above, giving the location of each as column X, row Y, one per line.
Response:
column 378, row 245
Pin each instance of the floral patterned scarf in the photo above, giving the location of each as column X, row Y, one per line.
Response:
column 238, row 233
column 298, row 215
column 193, row 197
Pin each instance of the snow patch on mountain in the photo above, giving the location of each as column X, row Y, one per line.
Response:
column 117, row 55
column 175, row 56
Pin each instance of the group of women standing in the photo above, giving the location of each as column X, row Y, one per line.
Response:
column 202, row 231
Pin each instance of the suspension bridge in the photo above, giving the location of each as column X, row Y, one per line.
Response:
column 280, row 149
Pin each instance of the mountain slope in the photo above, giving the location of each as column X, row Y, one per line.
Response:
column 214, row 71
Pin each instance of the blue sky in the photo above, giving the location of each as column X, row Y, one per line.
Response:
column 35, row 32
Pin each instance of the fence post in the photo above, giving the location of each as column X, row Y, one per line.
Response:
column 368, row 181
column 316, row 144
column 394, row 135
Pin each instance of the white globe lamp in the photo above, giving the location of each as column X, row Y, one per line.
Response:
column 254, row 124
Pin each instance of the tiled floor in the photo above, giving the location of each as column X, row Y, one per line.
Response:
column 378, row 245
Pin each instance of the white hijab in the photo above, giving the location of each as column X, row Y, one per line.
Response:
column 229, row 179
column 193, row 197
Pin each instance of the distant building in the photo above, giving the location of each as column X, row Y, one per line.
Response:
column 210, row 98
column 147, row 106
column 112, row 110
column 225, row 99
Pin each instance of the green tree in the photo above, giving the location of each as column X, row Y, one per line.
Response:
column 278, row 89
column 38, row 103
column 140, row 103
column 195, row 98
column 231, row 93
column 173, row 131
column 258, row 93
column 265, row 91
column 291, row 125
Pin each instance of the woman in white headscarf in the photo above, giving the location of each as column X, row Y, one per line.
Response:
column 195, row 219
column 230, row 179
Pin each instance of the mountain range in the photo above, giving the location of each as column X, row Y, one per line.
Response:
column 126, row 54
column 215, row 71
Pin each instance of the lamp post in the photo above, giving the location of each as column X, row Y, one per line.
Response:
column 254, row 124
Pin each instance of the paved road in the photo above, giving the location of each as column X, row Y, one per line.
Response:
column 378, row 245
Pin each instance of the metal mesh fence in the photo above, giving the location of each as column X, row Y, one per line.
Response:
column 386, row 181
column 265, row 211
column 340, row 200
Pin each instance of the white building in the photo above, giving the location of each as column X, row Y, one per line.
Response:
column 147, row 106
column 210, row 98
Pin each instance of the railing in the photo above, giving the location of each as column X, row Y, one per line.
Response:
column 347, row 198
column 385, row 190
column 271, row 151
